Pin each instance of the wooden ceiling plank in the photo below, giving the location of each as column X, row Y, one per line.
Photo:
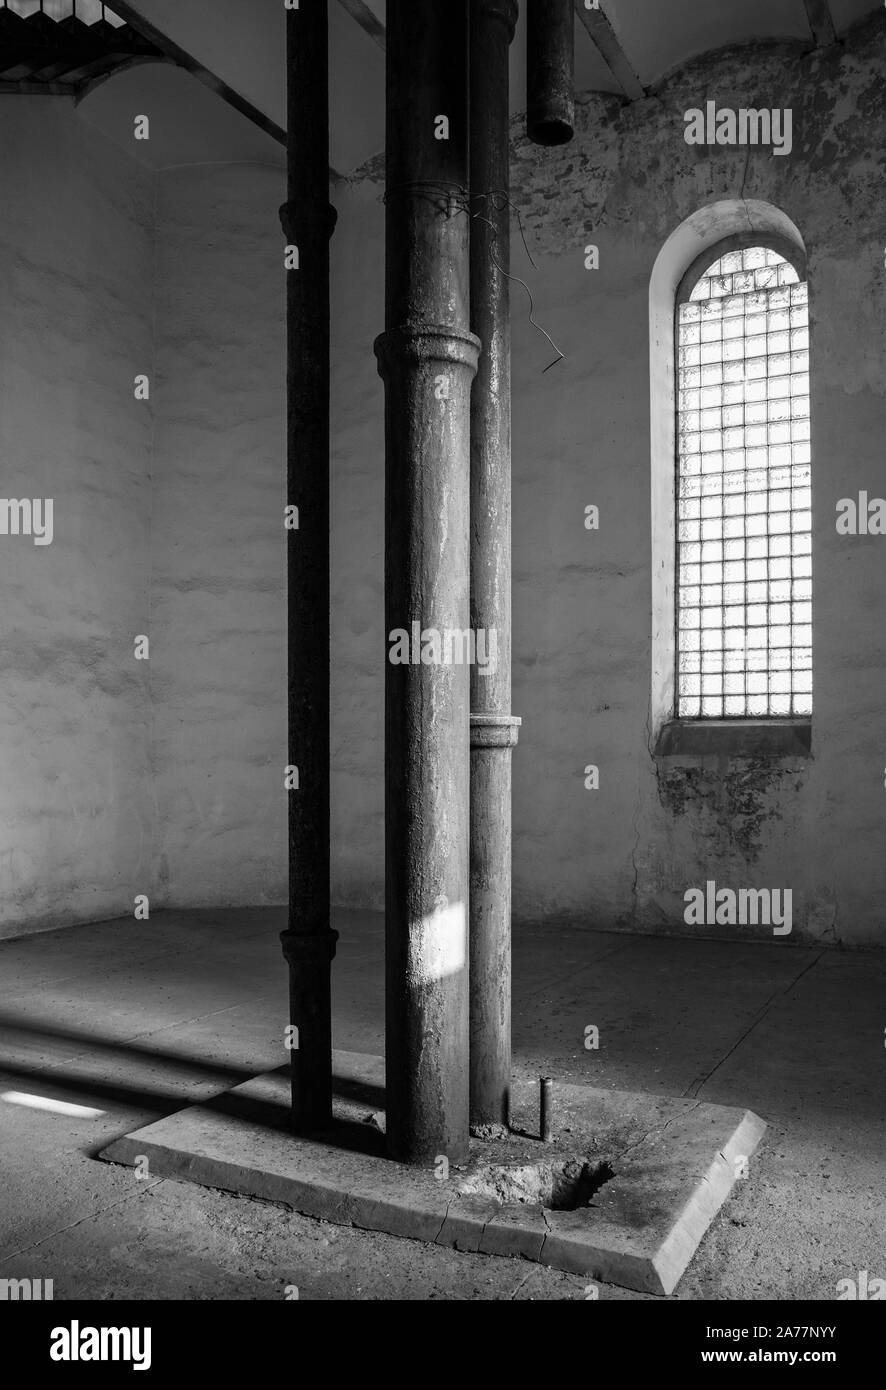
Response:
column 361, row 12
column 171, row 50
column 821, row 22
column 603, row 37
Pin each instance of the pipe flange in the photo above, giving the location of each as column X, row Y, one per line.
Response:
column 427, row 342
column 307, row 214
column 495, row 730
column 506, row 10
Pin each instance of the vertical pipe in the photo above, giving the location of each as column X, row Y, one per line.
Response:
column 308, row 221
column 545, row 1109
column 493, row 728
column 550, row 68
column 427, row 358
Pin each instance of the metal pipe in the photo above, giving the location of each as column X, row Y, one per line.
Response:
column 427, row 358
column 493, row 728
column 546, row 1109
column 308, row 221
column 550, row 68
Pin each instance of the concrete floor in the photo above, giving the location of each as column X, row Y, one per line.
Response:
column 137, row 1019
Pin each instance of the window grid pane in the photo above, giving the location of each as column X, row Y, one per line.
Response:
column 744, row 521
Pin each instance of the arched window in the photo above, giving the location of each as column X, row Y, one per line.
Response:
column 743, row 581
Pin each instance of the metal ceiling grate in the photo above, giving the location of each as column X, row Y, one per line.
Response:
column 744, row 520
column 87, row 11
column 63, row 47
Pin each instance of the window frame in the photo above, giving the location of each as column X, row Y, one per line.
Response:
column 750, row 736
column 737, row 241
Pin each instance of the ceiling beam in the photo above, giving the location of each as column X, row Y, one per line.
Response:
column 361, row 12
column 821, row 22
column 124, row 10
column 604, row 39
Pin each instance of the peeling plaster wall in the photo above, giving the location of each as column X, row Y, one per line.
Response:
column 76, row 260
column 218, row 658
column 624, row 855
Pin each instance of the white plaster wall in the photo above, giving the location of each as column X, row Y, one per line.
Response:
column 218, row 660
column 76, row 259
column 357, row 511
column 218, row 657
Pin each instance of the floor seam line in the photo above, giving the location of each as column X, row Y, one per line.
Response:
column 77, row 976
column 699, row 1083
column 134, row 1037
column 582, row 969
column 92, row 1216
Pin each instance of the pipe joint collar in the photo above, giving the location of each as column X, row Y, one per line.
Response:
column 505, row 10
column 427, row 343
column 495, row 730
column 302, row 215
column 315, row 948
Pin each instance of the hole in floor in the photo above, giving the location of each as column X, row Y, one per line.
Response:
column 574, row 1189
column 565, row 1185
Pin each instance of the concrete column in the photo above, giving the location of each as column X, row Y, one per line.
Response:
column 427, row 359
column 308, row 221
column 493, row 728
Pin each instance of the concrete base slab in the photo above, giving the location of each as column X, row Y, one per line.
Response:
column 674, row 1163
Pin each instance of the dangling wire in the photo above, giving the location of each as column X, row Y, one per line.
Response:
column 515, row 209
column 560, row 355
column 447, row 201
column 502, row 271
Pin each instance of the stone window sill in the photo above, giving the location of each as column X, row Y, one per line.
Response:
column 735, row 738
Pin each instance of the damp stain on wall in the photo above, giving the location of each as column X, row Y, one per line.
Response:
column 733, row 801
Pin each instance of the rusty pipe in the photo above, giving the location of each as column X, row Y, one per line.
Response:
column 308, row 220
column 546, row 1109
column 550, row 71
